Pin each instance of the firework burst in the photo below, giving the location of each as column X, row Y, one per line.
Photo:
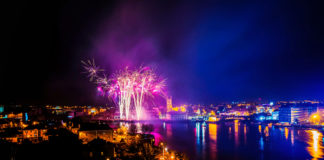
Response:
column 91, row 69
column 128, row 88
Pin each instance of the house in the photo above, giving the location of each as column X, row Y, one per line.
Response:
column 91, row 131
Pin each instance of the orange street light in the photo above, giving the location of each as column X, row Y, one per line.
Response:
column 315, row 118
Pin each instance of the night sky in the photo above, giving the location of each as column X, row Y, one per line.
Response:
column 209, row 52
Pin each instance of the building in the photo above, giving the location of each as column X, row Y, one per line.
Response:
column 100, row 149
column 275, row 115
column 169, row 104
column 89, row 132
column 35, row 133
column 177, row 116
column 296, row 113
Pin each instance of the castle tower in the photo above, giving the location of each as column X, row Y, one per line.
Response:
column 169, row 104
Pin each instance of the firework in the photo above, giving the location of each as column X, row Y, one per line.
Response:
column 128, row 88
column 91, row 69
column 145, row 83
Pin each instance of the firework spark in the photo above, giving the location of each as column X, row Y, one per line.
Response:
column 91, row 69
column 128, row 88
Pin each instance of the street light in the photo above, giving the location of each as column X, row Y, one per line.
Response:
column 172, row 156
column 315, row 118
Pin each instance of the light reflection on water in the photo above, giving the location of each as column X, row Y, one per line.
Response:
column 292, row 137
column 236, row 132
column 169, row 130
column 315, row 142
column 213, row 137
column 286, row 133
column 212, row 131
column 266, row 131
column 198, row 133
column 235, row 140
column 203, row 133
column 245, row 131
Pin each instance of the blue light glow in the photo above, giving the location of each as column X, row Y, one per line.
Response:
column 26, row 116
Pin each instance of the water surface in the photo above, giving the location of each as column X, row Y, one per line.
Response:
column 235, row 140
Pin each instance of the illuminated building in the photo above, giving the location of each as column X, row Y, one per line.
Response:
column 35, row 133
column 176, row 116
column 89, row 132
column 169, row 104
column 275, row 115
column 12, row 116
column 260, row 109
column 213, row 119
column 296, row 113
column 320, row 111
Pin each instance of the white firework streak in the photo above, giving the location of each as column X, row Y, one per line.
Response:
column 127, row 85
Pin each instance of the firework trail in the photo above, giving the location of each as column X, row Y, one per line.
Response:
column 91, row 69
column 127, row 87
column 145, row 83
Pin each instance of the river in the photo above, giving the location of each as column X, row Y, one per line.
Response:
column 235, row 140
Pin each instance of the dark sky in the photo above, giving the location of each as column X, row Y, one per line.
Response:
column 209, row 52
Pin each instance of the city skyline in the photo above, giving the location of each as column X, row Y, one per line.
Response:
column 162, row 80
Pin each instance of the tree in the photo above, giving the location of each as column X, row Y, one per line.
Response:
column 150, row 128
column 147, row 128
column 144, row 128
column 132, row 129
